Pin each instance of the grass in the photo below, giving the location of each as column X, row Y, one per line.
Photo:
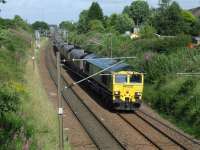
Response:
column 27, row 117
column 39, row 111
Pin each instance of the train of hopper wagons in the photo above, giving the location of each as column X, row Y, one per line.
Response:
column 120, row 87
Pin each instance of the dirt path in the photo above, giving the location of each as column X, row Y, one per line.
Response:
column 77, row 136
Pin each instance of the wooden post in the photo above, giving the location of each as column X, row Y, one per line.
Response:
column 60, row 107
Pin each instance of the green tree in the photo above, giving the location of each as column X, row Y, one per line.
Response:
column 164, row 3
column 126, row 10
column 188, row 16
column 40, row 25
column 67, row 25
column 139, row 11
column 170, row 21
column 83, row 22
column 147, row 31
column 195, row 28
column 96, row 25
column 112, row 20
column 120, row 23
column 95, row 12
column 19, row 22
column 123, row 23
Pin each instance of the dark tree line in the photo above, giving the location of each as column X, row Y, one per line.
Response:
column 40, row 25
column 168, row 19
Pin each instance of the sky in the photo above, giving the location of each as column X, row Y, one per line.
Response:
column 55, row 11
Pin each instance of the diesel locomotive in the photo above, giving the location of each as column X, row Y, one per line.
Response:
column 120, row 87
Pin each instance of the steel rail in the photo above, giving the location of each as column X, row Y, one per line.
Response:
column 100, row 135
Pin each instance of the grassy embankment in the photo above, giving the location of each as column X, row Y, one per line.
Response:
column 39, row 111
column 174, row 96
column 27, row 118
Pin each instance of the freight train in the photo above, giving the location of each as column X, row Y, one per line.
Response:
column 120, row 87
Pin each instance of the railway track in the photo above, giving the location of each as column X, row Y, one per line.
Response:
column 176, row 136
column 99, row 134
column 158, row 133
column 154, row 131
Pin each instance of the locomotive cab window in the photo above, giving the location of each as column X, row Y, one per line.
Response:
column 120, row 78
column 136, row 78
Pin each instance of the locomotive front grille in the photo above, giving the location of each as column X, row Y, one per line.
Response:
column 127, row 99
column 126, row 102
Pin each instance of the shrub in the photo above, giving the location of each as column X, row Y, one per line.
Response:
column 10, row 94
column 96, row 25
column 147, row 31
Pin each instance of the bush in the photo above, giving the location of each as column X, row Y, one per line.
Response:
column 96, row 25
column 13, row 50
column 147, row 31
column 14, row 130
column 163, row 44
column 10, row 94
column 176, row 98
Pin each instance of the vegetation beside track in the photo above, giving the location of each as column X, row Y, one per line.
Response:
column 27, row 118
column 15, row 40
column 39, row 111
column 174, row 96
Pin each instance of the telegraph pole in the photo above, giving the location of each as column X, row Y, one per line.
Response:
column 60, row 107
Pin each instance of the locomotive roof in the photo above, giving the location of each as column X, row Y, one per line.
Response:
column 90, row 56
column 107, row 63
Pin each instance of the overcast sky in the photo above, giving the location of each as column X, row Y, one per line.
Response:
column 55, row 11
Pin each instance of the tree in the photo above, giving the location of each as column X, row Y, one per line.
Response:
column 19, row 22
column 147, row 31
column 139, row 11
column 83, row 22
column 120, row 23
column 188, row 16
column 86, row 16
column 112, row 21
column 123, row 23
column 126, row 10
column 96, row 25
column 195, row 28
column 40, row 25
column 95, row 12
column 170, row 21
column 164, row 3
column 67, row 25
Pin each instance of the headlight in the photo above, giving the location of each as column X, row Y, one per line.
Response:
column 138, row 95
column 117, row 92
